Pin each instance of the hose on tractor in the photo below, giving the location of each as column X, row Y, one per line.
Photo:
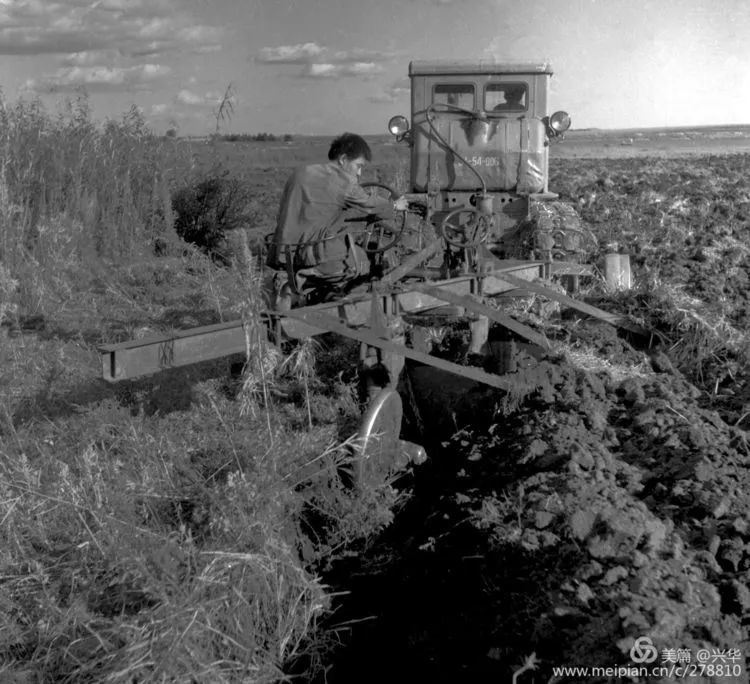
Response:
column 433, row 128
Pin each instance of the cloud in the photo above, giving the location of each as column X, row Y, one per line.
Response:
column 124, row 5
column 302, row 53
column 329, row 70
column 134, row 28
column 159, row 109
column 361, row 55
column 398, row 90
column 188, row 97
column 89, row 58
column 99, row 78
column 319, row 61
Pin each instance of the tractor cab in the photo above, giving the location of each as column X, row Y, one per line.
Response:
column 479, row 126
column 479, row 135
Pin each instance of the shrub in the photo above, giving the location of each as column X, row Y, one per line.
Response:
column 206, row 209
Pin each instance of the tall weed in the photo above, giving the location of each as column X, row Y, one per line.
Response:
column 73, row 192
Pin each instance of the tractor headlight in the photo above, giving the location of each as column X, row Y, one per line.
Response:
column 559, row 122
column 398, row 125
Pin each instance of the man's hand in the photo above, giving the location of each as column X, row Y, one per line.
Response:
column 401, row 204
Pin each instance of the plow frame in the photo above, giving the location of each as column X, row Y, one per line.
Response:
column 350, row 316
column 371, row 318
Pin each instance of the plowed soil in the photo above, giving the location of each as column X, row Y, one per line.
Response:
column 600, row 510
column 604, row 503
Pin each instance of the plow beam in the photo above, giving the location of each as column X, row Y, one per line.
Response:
column 328, row 323
column 471, row 304
column 182, row 348
column 613, row 319
column 494, row 265
column 136, row 358
column 412, row 297
column 411, row 263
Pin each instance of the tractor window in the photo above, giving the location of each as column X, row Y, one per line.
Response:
column 456, row 94
column 505, row 97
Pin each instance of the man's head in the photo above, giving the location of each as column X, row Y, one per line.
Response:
column 351, row 152
column 513, row 96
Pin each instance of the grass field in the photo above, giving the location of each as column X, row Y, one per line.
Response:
column 179, row 528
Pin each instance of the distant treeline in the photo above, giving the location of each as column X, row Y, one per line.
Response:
column 257, row 137
column 237, row 137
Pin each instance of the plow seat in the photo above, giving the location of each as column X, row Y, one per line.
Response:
column 296, row 281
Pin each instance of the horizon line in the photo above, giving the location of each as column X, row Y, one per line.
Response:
column 572, row 130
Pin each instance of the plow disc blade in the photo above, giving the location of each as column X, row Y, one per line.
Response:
column 378, row 451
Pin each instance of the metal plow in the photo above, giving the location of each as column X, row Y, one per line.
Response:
column 374, row 319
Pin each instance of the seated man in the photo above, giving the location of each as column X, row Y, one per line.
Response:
column 310, row 228
column 513, row 99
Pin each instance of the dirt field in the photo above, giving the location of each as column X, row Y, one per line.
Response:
column 654, row 142
column 596, row 517
column 609, row 502
column 585, row 144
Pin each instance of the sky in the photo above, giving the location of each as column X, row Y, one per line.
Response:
column 326, row 66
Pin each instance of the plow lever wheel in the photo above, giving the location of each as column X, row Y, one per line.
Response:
column 380, row 235
column 465, row 228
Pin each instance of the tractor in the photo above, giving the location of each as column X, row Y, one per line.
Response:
column 479, row 138
column 482, row 224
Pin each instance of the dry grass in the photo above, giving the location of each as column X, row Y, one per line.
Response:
column 167, row 545
column 588, row 359
column 167, row 529
column 701, row 339
column 74, row 193
column 97, row 585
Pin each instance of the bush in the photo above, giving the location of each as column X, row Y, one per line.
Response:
column 206, row 209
